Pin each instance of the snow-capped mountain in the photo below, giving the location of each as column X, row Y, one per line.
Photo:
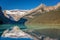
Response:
column 17, row 14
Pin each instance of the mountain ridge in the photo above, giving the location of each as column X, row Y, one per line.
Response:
column 17, row 14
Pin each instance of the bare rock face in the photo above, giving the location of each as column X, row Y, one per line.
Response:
column 15, row 33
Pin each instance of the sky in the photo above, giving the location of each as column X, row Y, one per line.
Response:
column 25, row 4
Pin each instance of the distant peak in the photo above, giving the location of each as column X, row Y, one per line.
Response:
column 42, row 5
column 58, row 4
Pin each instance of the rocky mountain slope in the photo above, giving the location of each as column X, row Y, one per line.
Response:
column 52, row 17
column 48, row 15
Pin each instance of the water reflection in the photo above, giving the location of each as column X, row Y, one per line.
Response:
column 3, row 27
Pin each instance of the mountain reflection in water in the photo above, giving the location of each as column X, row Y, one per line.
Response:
column 3, row 27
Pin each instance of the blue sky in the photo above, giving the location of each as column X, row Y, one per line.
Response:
column 25, row 4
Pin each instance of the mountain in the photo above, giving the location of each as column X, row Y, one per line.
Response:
column 14, row 14
column 46, row 18
column 49, row 17
column 17, row 14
